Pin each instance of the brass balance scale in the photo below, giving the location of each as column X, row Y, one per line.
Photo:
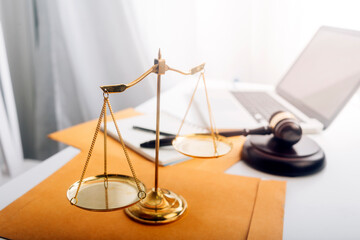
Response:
column 108, row 192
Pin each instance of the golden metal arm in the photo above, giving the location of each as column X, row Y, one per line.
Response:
column 159, row 68
column 122, row 87
column 192, row 71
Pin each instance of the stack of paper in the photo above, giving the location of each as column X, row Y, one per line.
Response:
column 134, row 137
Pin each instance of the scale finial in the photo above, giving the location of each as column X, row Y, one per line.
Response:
column 159, row 54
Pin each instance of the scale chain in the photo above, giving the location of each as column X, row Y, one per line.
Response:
column 213, row 129
column 211, row 118
column 90, row 152
column 106, row 180
column 188, row 108
column 141, row 193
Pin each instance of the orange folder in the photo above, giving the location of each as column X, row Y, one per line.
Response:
column 221, row 206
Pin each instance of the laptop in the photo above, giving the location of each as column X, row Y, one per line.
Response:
column 315, row 88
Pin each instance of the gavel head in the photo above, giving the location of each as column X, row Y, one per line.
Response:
column 285, row 127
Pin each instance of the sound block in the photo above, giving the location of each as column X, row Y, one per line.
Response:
column 270, row 155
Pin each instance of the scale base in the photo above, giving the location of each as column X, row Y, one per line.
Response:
column 158, row 207
column 267, row 154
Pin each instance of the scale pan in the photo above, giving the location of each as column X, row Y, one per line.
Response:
column 202, row 145
column 121, row 192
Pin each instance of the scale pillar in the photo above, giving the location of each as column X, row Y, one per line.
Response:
column 160, row 205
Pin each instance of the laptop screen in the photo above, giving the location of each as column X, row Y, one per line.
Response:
column 325, row 75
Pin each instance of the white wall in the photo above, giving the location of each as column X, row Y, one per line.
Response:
column 249, row 40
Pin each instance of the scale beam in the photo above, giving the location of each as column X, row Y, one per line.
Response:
column 159, row 68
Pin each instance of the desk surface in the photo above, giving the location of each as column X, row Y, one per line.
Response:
column 325, row 205
column 322, row 206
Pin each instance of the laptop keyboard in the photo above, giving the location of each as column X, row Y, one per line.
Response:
column 260, row 104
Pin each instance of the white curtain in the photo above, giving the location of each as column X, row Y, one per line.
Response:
column 64, row 51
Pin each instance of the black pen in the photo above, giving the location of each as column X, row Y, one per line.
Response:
column 163, row 142
column 168, row 140
column 153, row 131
